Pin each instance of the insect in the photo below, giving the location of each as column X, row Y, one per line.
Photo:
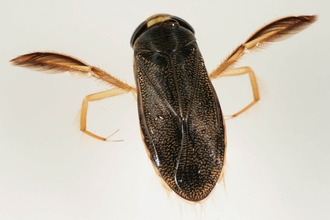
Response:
column 180, row 116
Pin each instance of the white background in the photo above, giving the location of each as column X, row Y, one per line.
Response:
column 278, row 152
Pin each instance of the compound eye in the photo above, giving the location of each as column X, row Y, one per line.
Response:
column 171, row 23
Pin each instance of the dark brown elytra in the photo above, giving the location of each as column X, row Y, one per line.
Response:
column 180, row 116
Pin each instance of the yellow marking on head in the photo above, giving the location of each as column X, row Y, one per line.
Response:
column 157, row 19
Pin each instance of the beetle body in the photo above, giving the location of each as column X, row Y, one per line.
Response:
column 180, row 116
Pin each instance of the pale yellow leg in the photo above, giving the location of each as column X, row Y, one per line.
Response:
column 95, row 97
column 254, row 85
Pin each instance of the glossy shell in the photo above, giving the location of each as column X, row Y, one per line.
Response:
column 180, row 115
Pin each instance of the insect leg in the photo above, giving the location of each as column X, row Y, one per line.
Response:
column 222, row 70
column 274, row 31
column 57, row 62
column 254, row 85
column 53, row 62
column 84, row 108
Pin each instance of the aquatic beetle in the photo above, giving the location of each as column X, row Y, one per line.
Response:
column 180, row 116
